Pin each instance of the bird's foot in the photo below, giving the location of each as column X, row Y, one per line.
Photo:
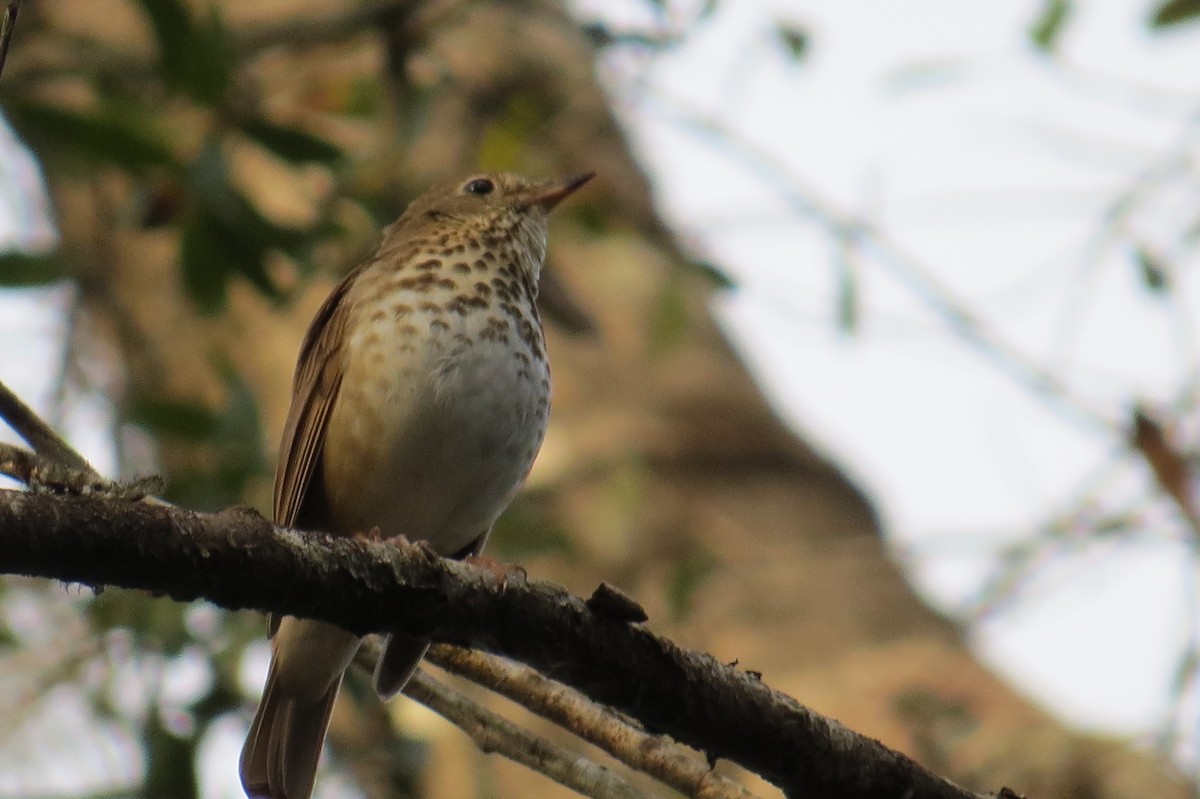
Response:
column 504, row 572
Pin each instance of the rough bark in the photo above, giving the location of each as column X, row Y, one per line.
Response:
column 237, row 559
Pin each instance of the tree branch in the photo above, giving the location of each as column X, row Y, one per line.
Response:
column 237, row 559
column 654, row 755
column 494, row 733
column 41, row 436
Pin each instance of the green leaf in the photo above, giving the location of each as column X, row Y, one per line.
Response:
column 196, row 59
column 22, row 269
column 795, row 40
column 1049, row 24
column 1154, row 272
column 291, row 144
column 111, row 135
column 1174, row 12
column 173, row 418
column 205, row 264
column 716, row 276
column 225, row 234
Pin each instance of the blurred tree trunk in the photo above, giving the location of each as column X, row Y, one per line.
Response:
column 665, row 471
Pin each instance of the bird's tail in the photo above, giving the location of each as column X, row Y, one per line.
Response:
column 279, row 760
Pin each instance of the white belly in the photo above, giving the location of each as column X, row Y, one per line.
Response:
column 461, row 418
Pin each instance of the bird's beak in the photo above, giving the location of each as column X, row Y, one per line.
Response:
column 551, row 194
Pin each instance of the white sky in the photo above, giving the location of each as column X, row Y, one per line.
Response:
column 990, row 168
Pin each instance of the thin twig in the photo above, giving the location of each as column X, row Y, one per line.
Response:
column 39, row 435
column 8, row 23
column 495, row 734
column 655, row 755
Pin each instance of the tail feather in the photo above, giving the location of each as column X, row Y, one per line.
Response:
column 401, row 656
column 279, row 760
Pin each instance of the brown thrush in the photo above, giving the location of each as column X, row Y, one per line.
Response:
column 420, row 400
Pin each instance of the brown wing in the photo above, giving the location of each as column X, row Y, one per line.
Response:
column 314, row 391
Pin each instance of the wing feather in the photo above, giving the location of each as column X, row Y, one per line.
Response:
column 314, row 392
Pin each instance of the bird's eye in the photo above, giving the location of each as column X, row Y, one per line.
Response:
column 479, row 186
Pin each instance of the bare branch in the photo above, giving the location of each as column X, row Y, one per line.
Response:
column 495, row 734
column 652, row 754
column 237, row 559
column 8, row 23
column 39, row 435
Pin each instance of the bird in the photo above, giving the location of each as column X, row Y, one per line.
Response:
column 420, row 399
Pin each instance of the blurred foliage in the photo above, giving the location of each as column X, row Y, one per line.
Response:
column 528, row 528
column 688, row 575
column 795, row 40
column 195, row 57
column 224, row 235
column 1154, row 272
column 169, row 134
column 1049, row 25
column 113, row 133
column 1174, row 12
column 21, row 269
column 228, row 444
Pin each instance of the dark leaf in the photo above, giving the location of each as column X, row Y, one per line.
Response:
column 794, row 40
column 1049, row 24
column 173, row 418
column 714, row 274
column 170, row 759
column 18, row 269
column 1174, row 12
column 196, row 59
column 116, row 135
column 1154, row 274
column 204, row 263
column 291, row 144
column 227, row 235
column 599, row 34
